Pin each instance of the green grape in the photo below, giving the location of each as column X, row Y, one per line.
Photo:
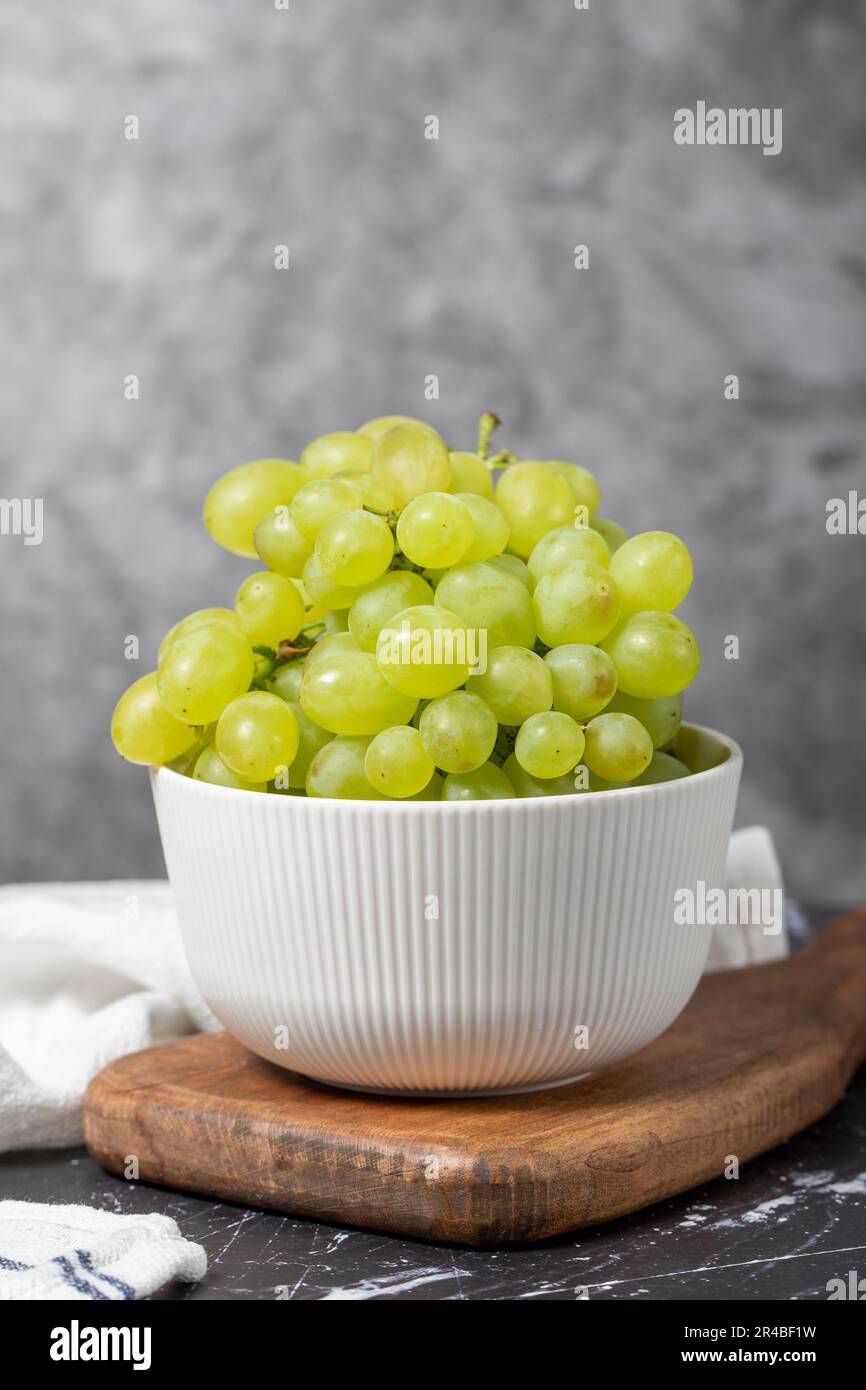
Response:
column 200, row 618
column 336, row 453
column 516, row 684
column 329, row 645
column 432, row 791
column 513, row 565
column 270, row 609
column 318, row 501
column 458, row 731
column 582, row 483
column 656, row 655
column 533, row 498
column 485, row 783
column 369, row 492
column 580, row 604
column 560, row 549
column 397, row 763
column 321, row 588
column 435, row 530
column 491, row 528
column 470, row 474
column 425, row 651
column 239, row 499
column 337, row 770
column 256, row 736
column 652, row 571
column 660, row 718
column 143, row 730
column 280, row 544
column 310, row 739
column 355, row 547
column 372, row 429
column 337, row 619
column 486, row 597
column 211, row 768
column 610, row 531
column 525, row 785
column 344, row 691
column 618, row 747
column 662, row 768
column 549, row 744
column 584, row 679
column 286, row 680
column 409, row 460
column 203, row 671
column 377, row 604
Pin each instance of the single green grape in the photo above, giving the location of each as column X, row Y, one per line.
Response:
column 203, row 671
column 380, row 425
column 576, row 605
column 435, row 530
column 336, row 453
column 425, row 651
column 662, row 768
column 328, row 645
column 200, row 618
column 583, row 678
column 270, row 609
column 610, row 531
column 239, row 499
column 618, row 747
column 660, row 718
column 560, row 549
column 310, row 739
column 470, row 473
column 316, row 502
column 549, row 744
column 369, row 492
column 582, row 483
column 143, row 730
column 652, row 571
column 410, row 459
column 515, row 684
column 346, row 693
column 485, row 783
column 280, row 544
column 286, row 680
column 321, row 588
column 513, row 565
column 486, row 598
column 337, row 770
column 656, row 655
column 526, row 785
column 458, row 731
column 256, row 736
column 534, row 498
column 491, row 528
column 355, row 547
column 211, row 768
column 397, row 763
column 381, row 600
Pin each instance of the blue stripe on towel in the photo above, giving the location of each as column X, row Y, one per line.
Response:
column 12, row 1264
column 86, row 1260
column 78, row 1283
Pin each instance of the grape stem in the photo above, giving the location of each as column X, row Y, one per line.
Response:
column 486, row 425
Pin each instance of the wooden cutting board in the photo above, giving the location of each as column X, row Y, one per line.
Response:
column 757, row 1055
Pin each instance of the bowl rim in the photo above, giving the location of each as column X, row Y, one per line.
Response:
column 733, row 761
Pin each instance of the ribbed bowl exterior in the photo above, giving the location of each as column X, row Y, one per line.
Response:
column 440, row 947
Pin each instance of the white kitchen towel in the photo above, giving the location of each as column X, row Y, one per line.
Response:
column 92, row 971
column 81, row 1253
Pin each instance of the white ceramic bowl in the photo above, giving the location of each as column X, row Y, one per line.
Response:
column 429, row 947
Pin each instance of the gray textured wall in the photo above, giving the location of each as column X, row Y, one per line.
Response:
column 411, row 257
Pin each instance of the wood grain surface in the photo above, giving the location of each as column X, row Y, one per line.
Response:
column 757, row 1055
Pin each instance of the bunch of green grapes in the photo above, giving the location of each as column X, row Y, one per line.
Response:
column 429, row 624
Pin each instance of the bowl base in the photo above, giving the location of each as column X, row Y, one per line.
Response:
column 396, row 1093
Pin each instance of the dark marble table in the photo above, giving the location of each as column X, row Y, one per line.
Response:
column 793, row 1220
